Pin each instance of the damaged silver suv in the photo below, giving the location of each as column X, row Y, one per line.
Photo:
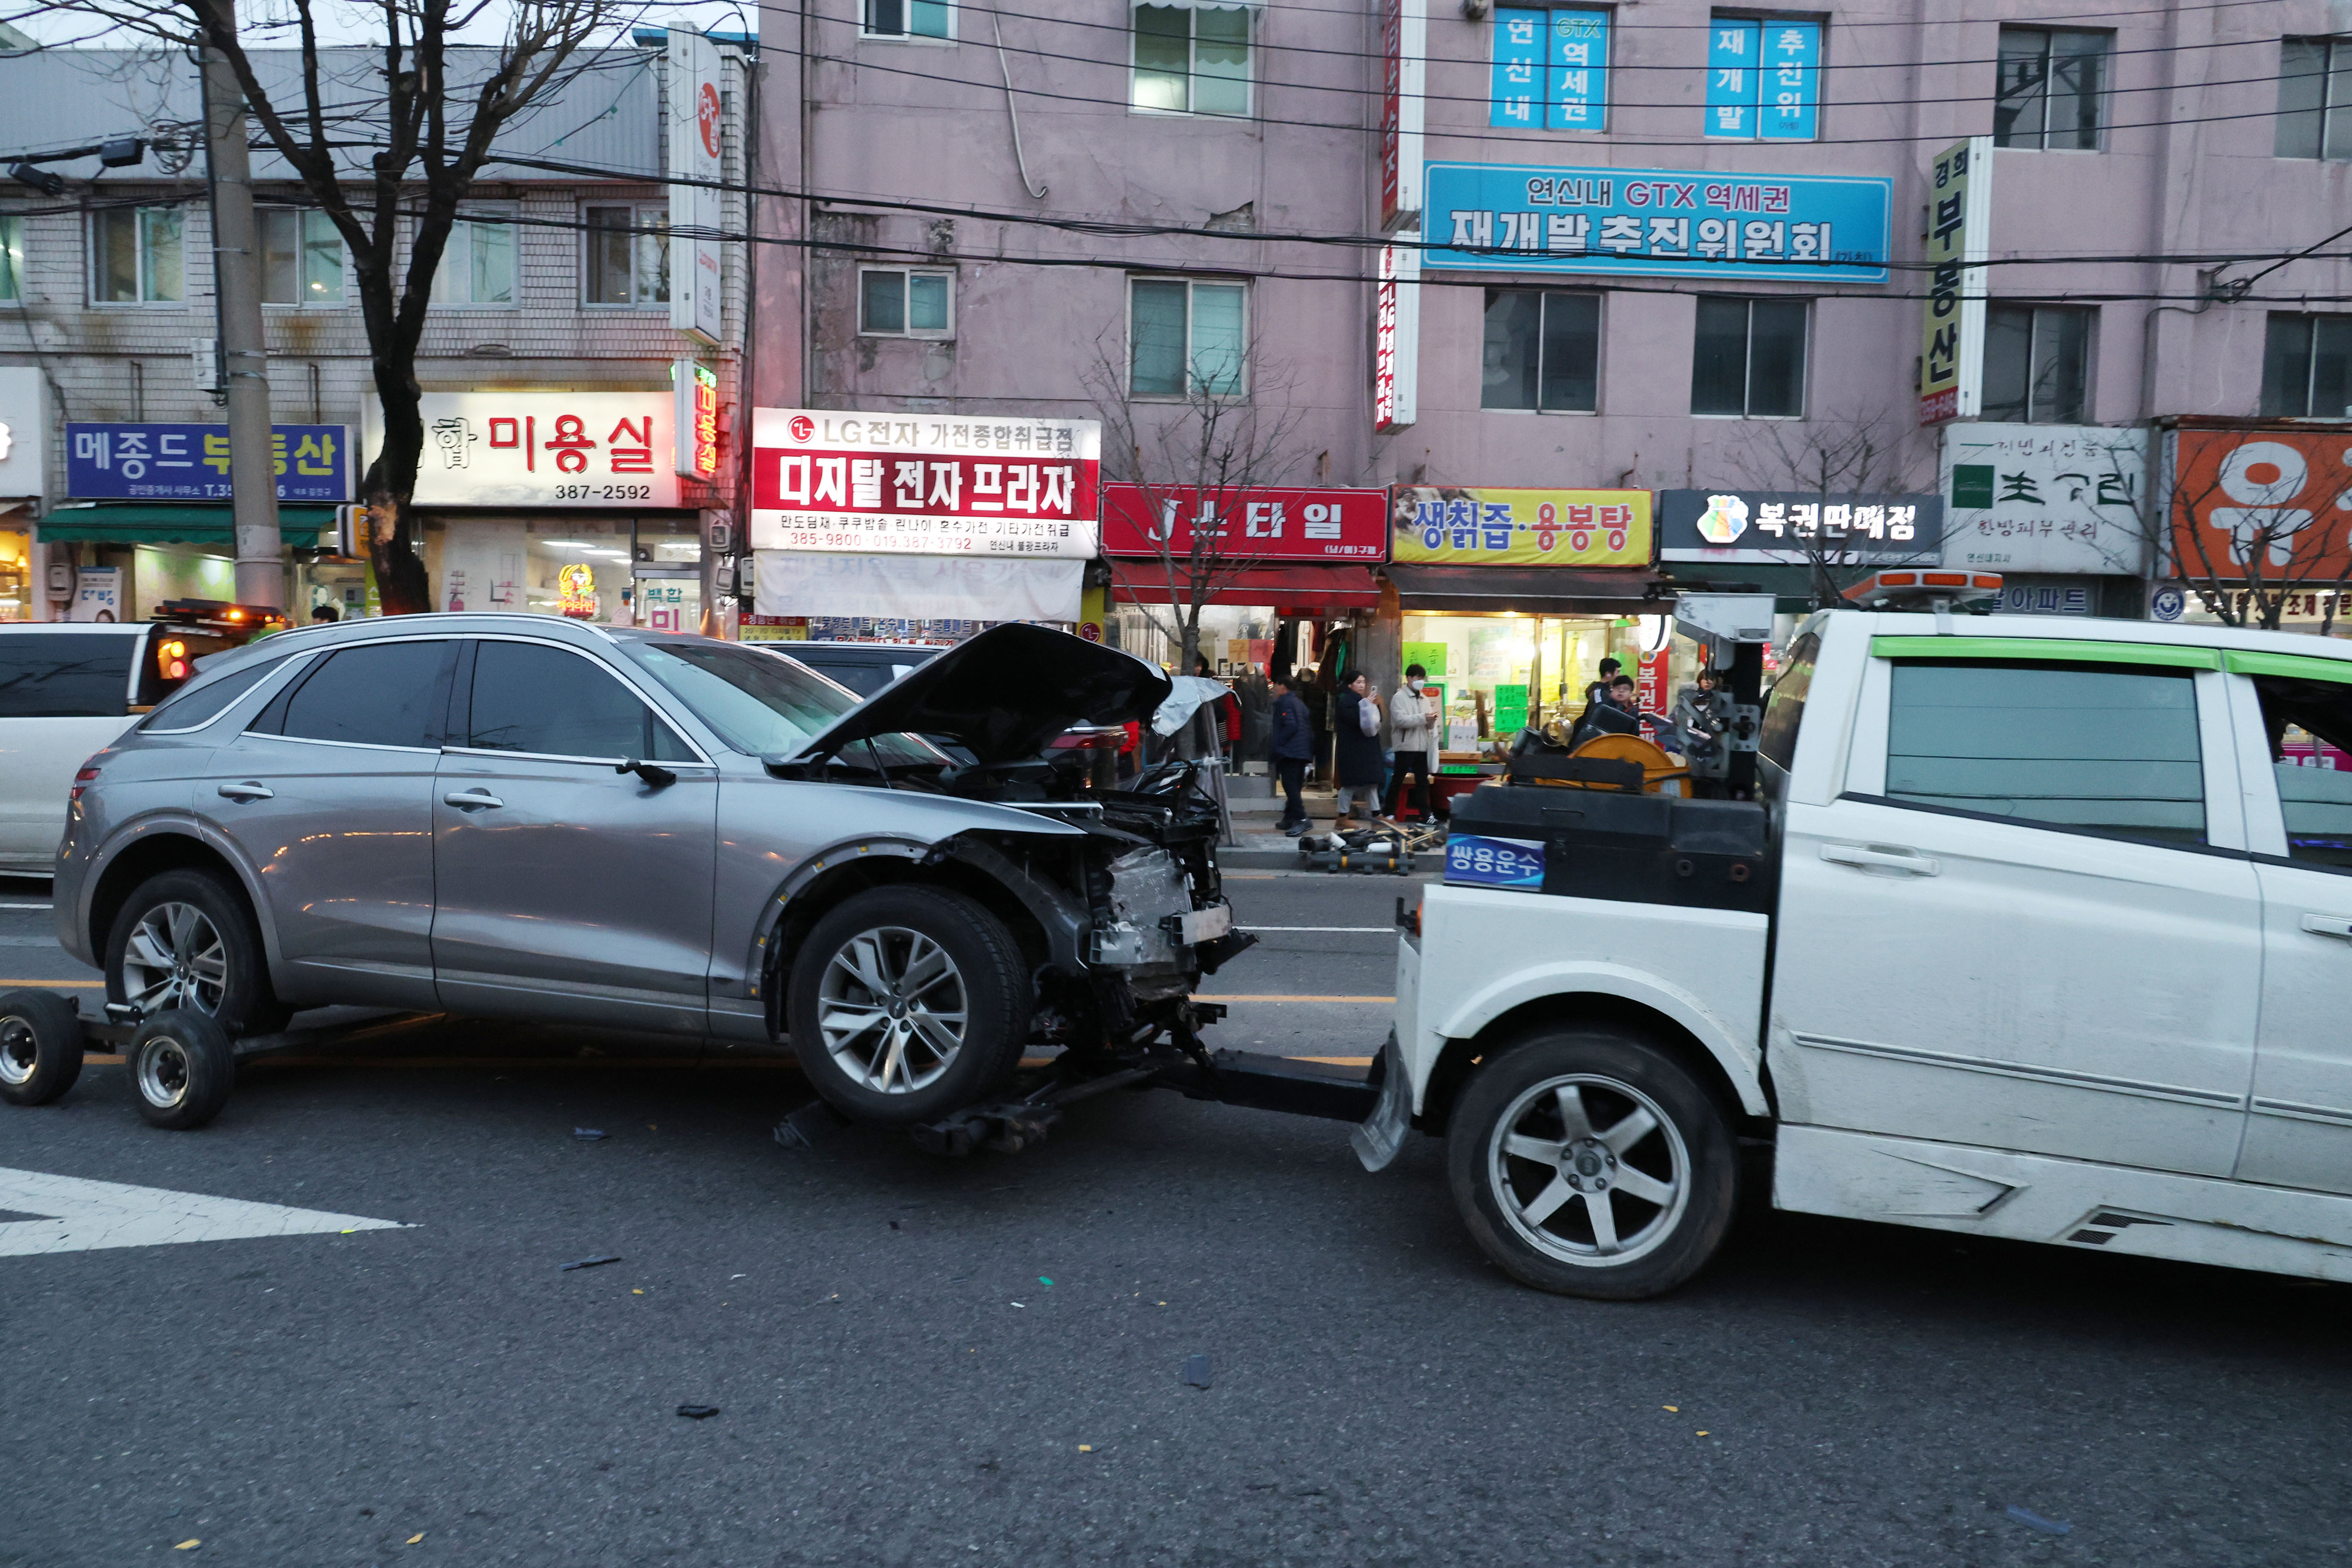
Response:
column 526, row 818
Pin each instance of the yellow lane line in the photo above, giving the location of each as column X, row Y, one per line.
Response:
column 57, row 985
column 1272, row 996
column 1334, row 1060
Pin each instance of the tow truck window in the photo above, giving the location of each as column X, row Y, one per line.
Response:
column 2091, row 749
column 2309, row 724
column 1784, row 707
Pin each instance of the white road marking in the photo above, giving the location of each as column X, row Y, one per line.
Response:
column 78, row 1216
column 27, row 906
column 1246, row 926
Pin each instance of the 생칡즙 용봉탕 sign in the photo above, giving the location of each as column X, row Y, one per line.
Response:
column 1451, row 526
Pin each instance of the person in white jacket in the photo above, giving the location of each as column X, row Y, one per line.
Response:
column 1412, row 718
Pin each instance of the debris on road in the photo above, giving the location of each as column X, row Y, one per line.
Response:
column 2026, row 1516
column 1196, row 1371
column 589, row 1135
column 810, row 1125
column 188, row 1545
column 414, row 1538
column 591, row 1263
column 1045, row 1281
column 697, row 1412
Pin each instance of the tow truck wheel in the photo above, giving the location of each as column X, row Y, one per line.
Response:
column 1588, row 1162
column 40, row 1046
column 907, row 1003
column 181, row 1068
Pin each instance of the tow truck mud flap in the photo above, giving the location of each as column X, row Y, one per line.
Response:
column 1379, row 1136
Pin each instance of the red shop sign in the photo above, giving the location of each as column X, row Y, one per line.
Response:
column 1271, row 524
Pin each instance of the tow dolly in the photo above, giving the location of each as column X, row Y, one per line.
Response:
column 183, row 1066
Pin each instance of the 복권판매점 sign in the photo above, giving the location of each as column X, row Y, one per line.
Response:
column 1791, row 527
column 838, row 483
column 191, row 462
column 1433, row 526
column 1675, row 223
column 544, row 449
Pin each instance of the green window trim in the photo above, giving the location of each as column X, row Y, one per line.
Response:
column 2068, row 650
column 2293, row 666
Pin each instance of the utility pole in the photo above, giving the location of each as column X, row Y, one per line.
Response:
column 236, row 283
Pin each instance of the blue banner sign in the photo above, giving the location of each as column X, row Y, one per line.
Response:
column 1763, row 80
column 1675, row 223
column 191, row 462
column 1551, row 70
column 1481, row 862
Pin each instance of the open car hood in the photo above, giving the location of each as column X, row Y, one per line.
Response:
column 1002, row 696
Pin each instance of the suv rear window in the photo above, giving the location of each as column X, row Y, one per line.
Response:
column 65, row 674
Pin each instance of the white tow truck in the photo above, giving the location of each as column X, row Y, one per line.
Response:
column 2036, row 928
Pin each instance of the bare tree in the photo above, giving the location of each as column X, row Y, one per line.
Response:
column 425, row 109
column 1194, row 457
column 1835, row 458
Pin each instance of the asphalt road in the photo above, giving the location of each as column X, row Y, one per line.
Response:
column 898, row 1384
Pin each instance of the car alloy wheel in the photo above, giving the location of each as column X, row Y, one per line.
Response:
column 1589, row 1170
column 175, row 958
column 893, row 1009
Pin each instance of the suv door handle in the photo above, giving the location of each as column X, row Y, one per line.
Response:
column 482, row 797
column 247, row 790
column 2329, row 925
column 1906, row 860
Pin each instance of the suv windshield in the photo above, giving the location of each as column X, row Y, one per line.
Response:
column 759, row 704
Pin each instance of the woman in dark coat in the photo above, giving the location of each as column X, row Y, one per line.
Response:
column 1355, row 730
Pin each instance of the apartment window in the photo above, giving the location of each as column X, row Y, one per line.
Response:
column 1192, row 59
column 2308, row 367
column 1551, row 69
column 1763, row 79
column 12, row 258
column 1749, row 361
column 136, row 256
column 933, row 19
column 301, row 258
column 1187, row 337
column 2048, row 89
column 2037, row 363
column 628, row 255
column 478, row 265
column 2314, row 108
column 1543, row 352
column 898, row 302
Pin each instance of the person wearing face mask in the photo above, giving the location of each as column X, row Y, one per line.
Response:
column 1412, row 714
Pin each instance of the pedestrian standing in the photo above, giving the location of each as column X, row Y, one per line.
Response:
column 1598, row 691
column 1292, row 742
column 1412, row 714
column 1355, row 726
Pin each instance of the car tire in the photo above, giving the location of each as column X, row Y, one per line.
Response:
column 40, row 1046
column 181, row 1068
column 1588, row 1162
column 924, row 949
column 227, row 972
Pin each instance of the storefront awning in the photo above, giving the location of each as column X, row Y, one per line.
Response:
column 918, row 587
column 1304, row 586
column 1530, row 591
column 138, row 523
column 1790, row 586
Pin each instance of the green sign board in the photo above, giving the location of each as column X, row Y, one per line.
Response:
column 1511, row 711
column 1429, row 656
